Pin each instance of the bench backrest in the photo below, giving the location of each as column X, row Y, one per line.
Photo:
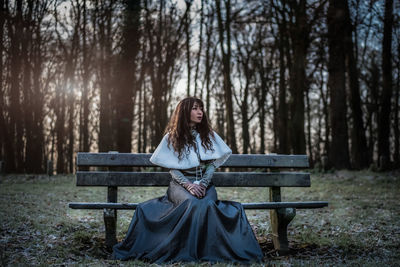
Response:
column 113, row 177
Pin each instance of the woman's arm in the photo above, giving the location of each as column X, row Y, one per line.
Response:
column 178, row 176
column 208, row 174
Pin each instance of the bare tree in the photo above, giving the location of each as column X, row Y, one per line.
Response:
column 358, row 139
column 80, row 79
column 3, row 131
column 299, row 30
column 339, row 150
column 197, row 70
column 396, row 155
column 284, row 50
column 324, row 96
column 210, row 56
column 263, row 65
column 127, row 85
column 71, row 62
column 187, row 44
column 372, row 80
column 385, row 108
column 245, row 54
column 164, row 37
column 84, row 125
column 104, row 15
column 224, row 28
column 34, row 98
column 60, row 111
column 15, row 149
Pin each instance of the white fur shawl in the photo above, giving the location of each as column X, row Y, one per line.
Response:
column 167, row 157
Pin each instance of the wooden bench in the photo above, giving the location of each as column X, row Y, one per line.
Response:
column 267, row 174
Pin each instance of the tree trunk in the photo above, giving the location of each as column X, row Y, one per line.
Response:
column 196, row 75
column 35, row 97
column 105, row 82
column 299, row 33
column 275, row 115
column 60, row 129
column 309, row 140
column 226, row 58
column 127, row 82
column 282, row 105
column 85, row 147
column 261, row 97
column 244, row 63
column 3, row 132
column 372, row 107
column 187, row 46
column 385, row 108
column 339, row 151
column 220, row 114
column 14, row 161
column 28, row 99
column 396, row 156
column 318, row 150
column 71, row 119
column 140, row 119
column 358, row 139
column 245, row 116
column 245, row 126
column 38, row 143
column 69, row 86
column 209, row 59
column 146, row 118
column 325, row 112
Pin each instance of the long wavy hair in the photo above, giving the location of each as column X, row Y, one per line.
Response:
column 178, row 128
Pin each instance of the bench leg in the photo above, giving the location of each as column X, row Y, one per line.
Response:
column 280, row 219
column 110, row 221
column 110, row 218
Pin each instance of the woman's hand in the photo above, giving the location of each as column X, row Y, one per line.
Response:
column 201, row 189
column 196, row 190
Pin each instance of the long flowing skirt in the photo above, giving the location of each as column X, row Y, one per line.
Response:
column 180, row 227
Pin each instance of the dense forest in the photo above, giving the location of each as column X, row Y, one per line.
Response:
column 316, row 77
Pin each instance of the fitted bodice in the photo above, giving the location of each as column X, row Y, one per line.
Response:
column 196, row 173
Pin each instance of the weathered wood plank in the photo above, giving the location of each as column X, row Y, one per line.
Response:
column 261, row 205
column 270, row 161
column 226, row 179
column 297, row 205
column 235, row 160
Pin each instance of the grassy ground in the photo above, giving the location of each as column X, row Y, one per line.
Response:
column 359, row 228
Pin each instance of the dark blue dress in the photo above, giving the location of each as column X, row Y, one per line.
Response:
column 180, row 227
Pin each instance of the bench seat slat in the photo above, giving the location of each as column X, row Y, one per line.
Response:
column 226, row 179
column 235, row 160
column 261, row 205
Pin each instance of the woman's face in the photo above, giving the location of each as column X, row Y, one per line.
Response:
column 196, row 114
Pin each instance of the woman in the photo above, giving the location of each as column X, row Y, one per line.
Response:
column 189, row 223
